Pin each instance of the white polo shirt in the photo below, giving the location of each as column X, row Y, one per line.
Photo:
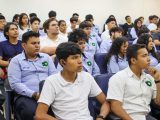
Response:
column 135, row 94
column 47, row 42
column 69, row 101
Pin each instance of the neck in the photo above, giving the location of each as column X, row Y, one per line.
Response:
column 13, row 40
column 136, row 70
column 121, row 55
column 64, row 32
column 52, row 36
column 69, row 76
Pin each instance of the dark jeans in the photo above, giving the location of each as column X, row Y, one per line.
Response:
column 24, row 108
column 149, row 117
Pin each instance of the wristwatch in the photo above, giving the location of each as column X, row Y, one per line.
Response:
column 101, row 116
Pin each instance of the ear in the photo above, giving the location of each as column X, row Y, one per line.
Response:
column 23, row 45
column 6, row 33
column 62, row 62
column 133, row 60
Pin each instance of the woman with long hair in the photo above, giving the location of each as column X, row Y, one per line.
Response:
column 148, row 41
column 116, row 57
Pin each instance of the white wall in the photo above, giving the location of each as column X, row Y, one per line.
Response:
column 101, row 9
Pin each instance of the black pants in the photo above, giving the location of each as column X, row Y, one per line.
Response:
column 24, row 108
column 149, row 117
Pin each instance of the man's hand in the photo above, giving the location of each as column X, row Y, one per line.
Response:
column 35, row 96
column 154, row 73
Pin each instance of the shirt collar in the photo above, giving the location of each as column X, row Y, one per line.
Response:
column 24, row 56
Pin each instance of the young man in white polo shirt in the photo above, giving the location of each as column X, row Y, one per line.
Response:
column 131, row 90
column 67, row 92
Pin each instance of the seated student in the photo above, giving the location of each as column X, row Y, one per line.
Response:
column 63, row 30
column 131, row 90
column 153, row 20
column 35, row 26
column 116, row 57
column 73, row 24
column 25, row 71
column 114, row 32
column 127, row 25
column 15, row 19
column 2, row 24
column 12, row 46
column 92, row 46
column 90, row 18
column 148, row 41
column 23, row 24
column 136, row 28
column 67, row 92
column 109, row 24
column 89, row 65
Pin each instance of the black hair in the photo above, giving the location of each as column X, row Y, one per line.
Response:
column 47, row 23
column 144, row 39
column 132, row 51
column 75, row 14
column 64, row 50
column 143, row 30
column 107, row 21
column 77, row 35
column 27, row 35
column 52, row 14
column 89, row 17
column 2, row 17
column 15, row 17
column 127, row 17
column 34, row 19
column 151, row 17
column 72, row 19
column 84, row 24
column 32, row 15
column 20, row 20
column 60, row 21
column 115, row 29
column 6, row 28
column 115, row 48
column 135, row 26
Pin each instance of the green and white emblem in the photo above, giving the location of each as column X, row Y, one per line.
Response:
column 89, row 63
column 93, row 44
column 45, row 63
column 149, row 83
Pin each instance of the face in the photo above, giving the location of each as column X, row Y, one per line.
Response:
column 116, row 34
column 143, row 60
column 32, row 46
column 82, row 44
column 63, row 27
column 123, row 48
column 111, row 24
column 139, row 24
column 150, row 44
column 129, row 19
column 25, row 20
column 2, row 23
column 87, row 30
column 13, row 31
column 35, row 26
column 73, row 24
column 53, row 28
column 73, row 60
column 155, row 20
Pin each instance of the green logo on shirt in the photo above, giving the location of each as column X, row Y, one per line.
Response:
column 93, row 35
column 89, row 63
column 45, row 63
column 93, row 44
column 149, row 83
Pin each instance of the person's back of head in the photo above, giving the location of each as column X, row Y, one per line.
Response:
column 89, row 17
column 132, row 51
column 27, row 35
column 77, row 35
column 84, row 24
column 52, row 14
column 64, row 50
column 32, row 15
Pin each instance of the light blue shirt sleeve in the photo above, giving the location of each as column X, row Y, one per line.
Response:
column 104, row 47
column 52, row 68
column 113, row 66
column 14, row 77
column 95, row 69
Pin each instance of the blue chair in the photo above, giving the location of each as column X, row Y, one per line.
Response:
column 100, row 60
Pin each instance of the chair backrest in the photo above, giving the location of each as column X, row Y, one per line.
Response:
column 100, row 60
column 41, row 85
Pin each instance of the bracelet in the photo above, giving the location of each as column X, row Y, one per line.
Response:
column 157, row 81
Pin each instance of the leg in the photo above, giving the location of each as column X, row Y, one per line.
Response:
column 25, row 108
column 149, row 117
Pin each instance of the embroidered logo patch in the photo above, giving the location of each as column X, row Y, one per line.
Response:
column 45, row 63
column 93, row 36
column 93, row 44
column 149, row 83
column 89, row 63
